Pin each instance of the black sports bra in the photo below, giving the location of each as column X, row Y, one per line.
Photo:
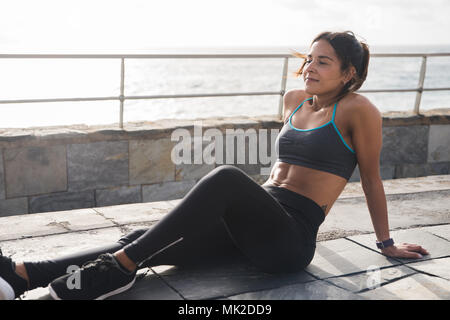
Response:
column 322, row 148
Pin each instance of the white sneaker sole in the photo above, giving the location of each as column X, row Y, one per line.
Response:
column 6, row 291
column 102, row 297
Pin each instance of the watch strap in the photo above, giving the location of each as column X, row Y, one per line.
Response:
column 384, row 244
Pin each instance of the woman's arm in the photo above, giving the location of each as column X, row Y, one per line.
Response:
column 366, row 124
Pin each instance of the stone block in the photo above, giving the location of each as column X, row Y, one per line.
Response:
column 242, row 149
column 386, row 172
column 225, row 279
column 150, row 161
column 167, row 190
column 342, row 257
column 192, row 171
column 316, row 290
column 422, row 170
column 355, row 175
column 14, row 206
column 439, row 143
column 2, row 177
column 118, row 195
column 62, row 201
column 201, row 160
column 97, row 165
column 35, row 170
column 404, row 144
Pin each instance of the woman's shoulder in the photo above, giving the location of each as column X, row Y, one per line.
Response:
column 360, row 111
column 294, row 96
column 359, row 105
column 292, row 99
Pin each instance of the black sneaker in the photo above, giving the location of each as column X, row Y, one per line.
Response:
column 95, row 280
column 11, row 284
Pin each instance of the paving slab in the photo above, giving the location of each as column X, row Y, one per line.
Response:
column 442, row 231
column 342, row 257
column 136, row 212
column 350, row 215
column 52, row 246
column 213, row 282
column 402, row 186
column 370, row 278
column 148, row 286
column 436, row 246
column 415, row 287
column 40, row 224
column 436, row 267
column 341, row 269
column 316, row 290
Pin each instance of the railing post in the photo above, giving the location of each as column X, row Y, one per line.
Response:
column 122, row 91
column 423, row 69
column 283, row 87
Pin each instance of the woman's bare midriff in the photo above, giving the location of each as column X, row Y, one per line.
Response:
column 321, row 187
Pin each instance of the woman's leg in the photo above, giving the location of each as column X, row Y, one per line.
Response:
column 225, row 209
column 41, row 273
column 187, row 252
column 249, row 218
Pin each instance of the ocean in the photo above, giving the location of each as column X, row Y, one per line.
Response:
column 67, row 78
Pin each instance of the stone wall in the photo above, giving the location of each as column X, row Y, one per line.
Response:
column 63, row 168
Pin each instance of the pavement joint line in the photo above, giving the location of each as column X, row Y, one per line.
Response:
column 336, row 285
column 167, row 283
column 351, row 274
column 392, row 196
column 426, row 273
column 410, row 261
column 443, row 238
column 119, row 225
column 265, row 289
column 122, row 228
column 386, row 283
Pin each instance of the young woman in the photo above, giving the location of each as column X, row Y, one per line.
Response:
column 328, row 129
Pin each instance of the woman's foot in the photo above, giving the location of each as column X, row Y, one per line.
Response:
column 11, row 284
column 95, row 280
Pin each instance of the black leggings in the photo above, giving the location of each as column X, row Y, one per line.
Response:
column 226, row 216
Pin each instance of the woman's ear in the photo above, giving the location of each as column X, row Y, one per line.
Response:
column 349, row 74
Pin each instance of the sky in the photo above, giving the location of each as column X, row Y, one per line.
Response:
column 127, row 26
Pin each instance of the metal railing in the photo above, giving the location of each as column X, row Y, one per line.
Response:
column 122, row 97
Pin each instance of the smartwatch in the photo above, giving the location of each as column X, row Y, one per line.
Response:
column 384, row 244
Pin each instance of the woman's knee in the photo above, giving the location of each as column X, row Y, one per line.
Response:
column 226, row 173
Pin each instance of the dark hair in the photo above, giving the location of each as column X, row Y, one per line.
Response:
column 350, row 51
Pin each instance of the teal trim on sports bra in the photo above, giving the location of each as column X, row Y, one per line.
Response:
column 331, row 121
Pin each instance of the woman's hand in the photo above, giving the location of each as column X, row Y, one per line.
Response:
column 405, row 250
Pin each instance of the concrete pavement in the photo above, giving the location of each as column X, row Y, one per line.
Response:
column 346, row 265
